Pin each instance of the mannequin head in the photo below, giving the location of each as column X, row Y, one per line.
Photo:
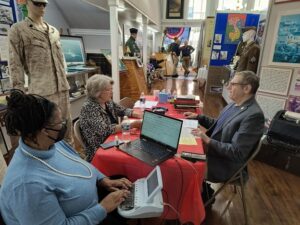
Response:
column 249, row 35
column 36, row 8
column 133, row 32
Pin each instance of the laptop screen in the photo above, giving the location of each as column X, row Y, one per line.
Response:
column 161, row 129
column 73, row 49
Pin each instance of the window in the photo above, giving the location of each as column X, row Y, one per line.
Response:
column 261, row 5
column 231, row 5
column 197, row 9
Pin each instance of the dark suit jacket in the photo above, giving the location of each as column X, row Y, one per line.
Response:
column 232, row 144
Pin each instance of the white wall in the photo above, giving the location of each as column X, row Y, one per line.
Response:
column 55, row 17
column 150, row 8
column 93, row 43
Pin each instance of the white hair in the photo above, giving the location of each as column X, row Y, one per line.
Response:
column 96, row 84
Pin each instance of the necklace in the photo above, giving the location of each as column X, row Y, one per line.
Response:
column 60, row 172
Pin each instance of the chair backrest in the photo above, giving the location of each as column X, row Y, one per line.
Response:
column 78, row 134
column 127, row 102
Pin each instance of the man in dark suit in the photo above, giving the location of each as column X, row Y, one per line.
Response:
column 230, row 139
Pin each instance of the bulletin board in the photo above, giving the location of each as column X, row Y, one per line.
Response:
column 8, row 18
column 227, row 35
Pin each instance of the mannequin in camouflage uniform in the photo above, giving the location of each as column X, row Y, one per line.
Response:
column 35, row 50
column 131, row 47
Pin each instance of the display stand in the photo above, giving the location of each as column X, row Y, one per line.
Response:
column 132, row 81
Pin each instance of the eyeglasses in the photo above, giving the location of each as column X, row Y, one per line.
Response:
column 39, row 4
column 234, row 83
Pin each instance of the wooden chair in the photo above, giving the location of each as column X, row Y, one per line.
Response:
column 78, row 133
column 127, row 102
column 237, row 180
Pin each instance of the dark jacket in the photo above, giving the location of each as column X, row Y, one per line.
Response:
column 232, row 144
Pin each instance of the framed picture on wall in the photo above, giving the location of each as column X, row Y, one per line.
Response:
column 175, row 9
column 285, row 49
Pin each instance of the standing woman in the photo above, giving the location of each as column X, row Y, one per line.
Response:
column 46, row 181
column 35, row 50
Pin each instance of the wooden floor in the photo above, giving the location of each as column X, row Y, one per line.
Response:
column 273, row 195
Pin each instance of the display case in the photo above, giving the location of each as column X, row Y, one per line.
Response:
column 77, row 81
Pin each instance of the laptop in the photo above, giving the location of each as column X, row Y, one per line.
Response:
column 158, row 141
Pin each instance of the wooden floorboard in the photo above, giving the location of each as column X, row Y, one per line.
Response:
column 272, row 195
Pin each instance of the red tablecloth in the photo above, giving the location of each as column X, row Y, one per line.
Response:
column 182, row 180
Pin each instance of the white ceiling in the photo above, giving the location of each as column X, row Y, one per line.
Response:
column 82, row 15
column 94, row 14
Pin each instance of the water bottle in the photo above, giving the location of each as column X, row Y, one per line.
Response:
column 142, row 101
column 125, row 129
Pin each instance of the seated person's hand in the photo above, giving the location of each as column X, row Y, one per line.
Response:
column 113, row 200
column 138, row 115
column 114, row 185
column 190, row 115
column 136, row 124
column 199, row 133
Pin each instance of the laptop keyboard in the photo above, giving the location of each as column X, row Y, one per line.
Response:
column 129, row 201
column 151, row 148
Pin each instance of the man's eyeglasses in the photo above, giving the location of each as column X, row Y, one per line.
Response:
column 229, row 83
column 39, row 4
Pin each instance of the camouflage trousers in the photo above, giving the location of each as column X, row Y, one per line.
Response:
column 63, row 102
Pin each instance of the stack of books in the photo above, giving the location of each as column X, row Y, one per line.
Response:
column 187, row 102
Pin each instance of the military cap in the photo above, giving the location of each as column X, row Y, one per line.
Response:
column 133, row 30
column 244, row 29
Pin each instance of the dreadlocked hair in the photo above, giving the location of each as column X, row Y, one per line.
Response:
column 27, row 114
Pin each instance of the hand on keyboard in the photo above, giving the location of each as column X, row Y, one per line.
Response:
column 114, row 185
column 129, row 200
column 113, row 200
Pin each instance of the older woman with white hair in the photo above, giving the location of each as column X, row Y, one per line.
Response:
column 99, row 114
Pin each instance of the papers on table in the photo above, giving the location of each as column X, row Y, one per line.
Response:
column 186, row 137
column 148, row 104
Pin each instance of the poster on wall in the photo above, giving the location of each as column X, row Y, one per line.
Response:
column 295, row 85
column 227, row 35
column 175, row 9
column 6, row 15
column 275, row 80
column 5, row 2
column 4, row 28
column 270, row 104
column 260, row 31
column 3, row 48
column 285, row 49
column 208, row 38
column 293, row 104
column 233, row 28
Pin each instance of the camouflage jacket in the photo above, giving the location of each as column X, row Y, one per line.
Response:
column 131, row 47
column 37, row 53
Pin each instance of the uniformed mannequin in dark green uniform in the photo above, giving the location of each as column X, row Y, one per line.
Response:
column 248, row 51
column 131, row 48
